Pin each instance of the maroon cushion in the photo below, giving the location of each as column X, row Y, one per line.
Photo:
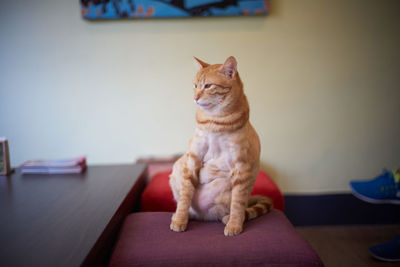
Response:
column 146, row 240
column 157, row 196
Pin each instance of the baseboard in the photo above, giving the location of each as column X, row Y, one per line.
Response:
column 337, row 209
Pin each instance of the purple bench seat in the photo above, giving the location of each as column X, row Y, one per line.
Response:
column 270, row 240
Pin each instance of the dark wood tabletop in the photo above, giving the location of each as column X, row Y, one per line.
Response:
column 65, row 219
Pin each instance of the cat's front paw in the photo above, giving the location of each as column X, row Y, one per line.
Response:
column 232, row 230
column 178, row 225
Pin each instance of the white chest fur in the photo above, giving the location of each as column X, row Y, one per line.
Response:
column 217, row 159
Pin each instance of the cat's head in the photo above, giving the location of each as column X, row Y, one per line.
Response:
column 217, row 88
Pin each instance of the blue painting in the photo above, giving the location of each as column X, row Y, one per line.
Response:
column 117, row 9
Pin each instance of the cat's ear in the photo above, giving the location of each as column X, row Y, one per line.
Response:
column 200, row 64
column 229, row 68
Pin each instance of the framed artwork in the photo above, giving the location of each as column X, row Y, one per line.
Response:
column 118, row 9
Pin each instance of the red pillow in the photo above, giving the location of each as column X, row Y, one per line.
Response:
column 157, row 196
column 266, row 187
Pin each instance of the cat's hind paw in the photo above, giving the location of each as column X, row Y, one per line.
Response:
column 232, row 230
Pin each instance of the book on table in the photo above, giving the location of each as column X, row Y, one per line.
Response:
column 70, row 165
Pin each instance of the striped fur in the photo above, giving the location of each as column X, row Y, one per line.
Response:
column 213, row 180
column 257, row 206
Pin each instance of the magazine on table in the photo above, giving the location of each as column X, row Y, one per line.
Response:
column 70, row 165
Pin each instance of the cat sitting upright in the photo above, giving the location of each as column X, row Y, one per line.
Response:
column 213, row 180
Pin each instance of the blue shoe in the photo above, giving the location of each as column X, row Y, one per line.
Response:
column 382, row 189
column 389, row 251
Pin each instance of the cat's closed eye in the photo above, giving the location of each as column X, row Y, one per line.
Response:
column 208, row 85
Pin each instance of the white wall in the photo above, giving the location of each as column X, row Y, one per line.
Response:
column 322, row 78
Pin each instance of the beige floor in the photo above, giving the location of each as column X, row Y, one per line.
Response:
column 342, row 246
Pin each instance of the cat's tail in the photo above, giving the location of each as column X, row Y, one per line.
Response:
column 257, row 206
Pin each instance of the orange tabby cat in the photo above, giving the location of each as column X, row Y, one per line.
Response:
column 213, row 180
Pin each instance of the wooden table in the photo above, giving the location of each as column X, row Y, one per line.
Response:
column 65, row 219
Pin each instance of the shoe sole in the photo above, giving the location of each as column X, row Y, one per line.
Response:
column 373, row 200
column 381, row 258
